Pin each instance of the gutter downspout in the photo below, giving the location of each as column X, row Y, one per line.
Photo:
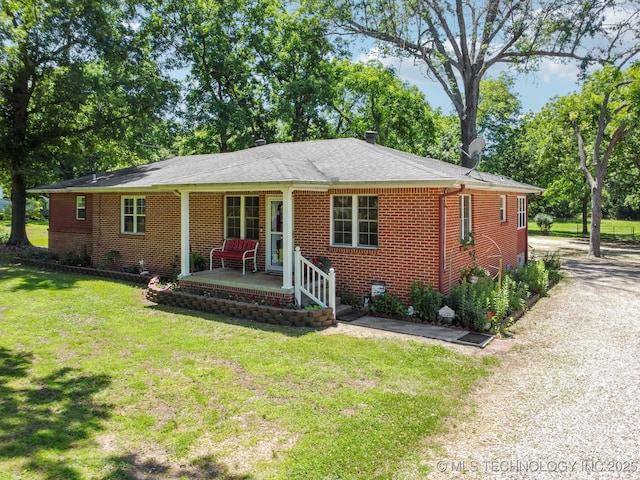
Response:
column 443, row 234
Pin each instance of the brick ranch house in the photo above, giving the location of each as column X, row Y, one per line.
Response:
column 380, row 215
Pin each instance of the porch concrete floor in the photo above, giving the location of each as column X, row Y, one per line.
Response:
column 227, row 277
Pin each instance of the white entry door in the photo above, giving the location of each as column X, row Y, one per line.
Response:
column 274, row 253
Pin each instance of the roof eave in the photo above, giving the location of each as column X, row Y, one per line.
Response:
column 320, row 186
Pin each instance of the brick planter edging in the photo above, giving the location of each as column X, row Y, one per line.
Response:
column 94, row 272
column 250, row 311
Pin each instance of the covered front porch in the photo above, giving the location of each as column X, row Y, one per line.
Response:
column 258, row 285
column 287, row 278
column 311, row 284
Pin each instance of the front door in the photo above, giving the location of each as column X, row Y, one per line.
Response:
column 274, row 253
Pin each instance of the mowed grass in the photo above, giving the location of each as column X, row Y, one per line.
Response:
column 95, row 382
column 626, row 230
column 37, row 232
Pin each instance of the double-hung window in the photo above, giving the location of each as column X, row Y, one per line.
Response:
column 503, row 208
column 354, row 220
column 465, row 217
column 522, row 212
column 134, row 214
column 242, row 217
column 81, row 207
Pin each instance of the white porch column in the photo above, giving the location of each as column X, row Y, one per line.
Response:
column 287, row 238
column 184, row 234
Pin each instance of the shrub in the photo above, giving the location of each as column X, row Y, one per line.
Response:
column 469, row 301
column 111, row 260
column 5, row 213
column 426, row 301
column 388, row 304
column 198, row 262
column 544, row 222
column 348, row 298
column 34, row 209
column 535, row 276
column 76, row 259
column 552, row 264
column 4, row 235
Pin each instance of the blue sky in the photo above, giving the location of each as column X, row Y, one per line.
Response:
column 534, row 89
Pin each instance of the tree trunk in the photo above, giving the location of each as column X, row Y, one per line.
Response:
column 18, row 237
column 18, row 154
column 596, row 220
column 585, row 213
column 468, row 118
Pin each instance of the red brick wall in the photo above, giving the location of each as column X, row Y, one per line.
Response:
column 488, row 231
column 66, row 234
column 408, row 247
column 408, row 239
column 160, row 243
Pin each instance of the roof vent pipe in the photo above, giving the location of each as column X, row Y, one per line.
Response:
column 370, row 136
column 260, row 142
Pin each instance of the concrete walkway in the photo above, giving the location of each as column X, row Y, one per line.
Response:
column 452, row 335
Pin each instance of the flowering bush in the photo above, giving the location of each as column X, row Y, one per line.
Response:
column 323, row 263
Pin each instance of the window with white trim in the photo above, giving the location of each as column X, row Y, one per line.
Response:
column 354, row 220
column 522, row 212
column 503, row 208
column 81, row 207
column 242, row 217
column 134, row 215
column 465, row 217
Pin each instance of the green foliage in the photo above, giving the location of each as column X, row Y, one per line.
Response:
column 535, row 276
column 477, row 304
column 426, row 301
column 372, row 97
column 35, row 209
column 544, row 222
column 552, row 263
column 198, row 263
column 388, row 304
column 76, row 258
column 4, row 235
column 469, row 301
column 74, row 77
column 5, row 213
column 349, row 298
column 111, row 260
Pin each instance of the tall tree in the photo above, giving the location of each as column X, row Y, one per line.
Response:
column 294, row 59
column 601, row 116
column 501, row 123
column 67, row 69
column 550, row 152
column 372, row 97
column 212, row 42
column 458, row 41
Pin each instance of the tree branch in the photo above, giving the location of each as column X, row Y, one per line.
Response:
column 582, row 154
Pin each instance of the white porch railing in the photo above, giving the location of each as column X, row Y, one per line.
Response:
column 311, row 281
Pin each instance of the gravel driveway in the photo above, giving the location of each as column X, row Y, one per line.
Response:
column 565, row 401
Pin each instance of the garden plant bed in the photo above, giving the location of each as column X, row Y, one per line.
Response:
column 315, row 318
column 94, row 272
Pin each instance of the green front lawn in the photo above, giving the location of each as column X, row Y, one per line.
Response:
column 610, row 229
column 37, row 232
column 97, row 383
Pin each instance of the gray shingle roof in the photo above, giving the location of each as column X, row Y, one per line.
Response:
column 338, row 161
